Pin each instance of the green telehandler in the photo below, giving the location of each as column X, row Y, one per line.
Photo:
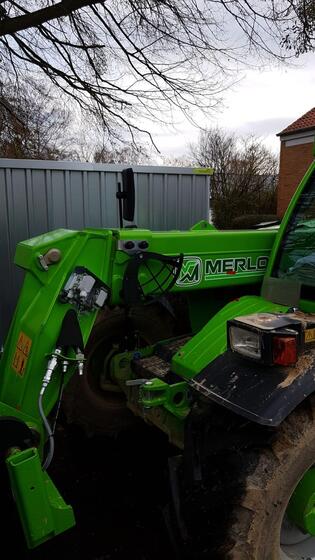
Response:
column 208, row 335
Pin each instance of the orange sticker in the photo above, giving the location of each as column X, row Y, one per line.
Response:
column 21, row 354
column 24, row 343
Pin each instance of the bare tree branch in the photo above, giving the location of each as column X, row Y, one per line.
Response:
column 38, row 17
column 244, row 179
column 128, row 62
column 31, row 126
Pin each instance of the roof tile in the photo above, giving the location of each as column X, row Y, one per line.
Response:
column 305, row 122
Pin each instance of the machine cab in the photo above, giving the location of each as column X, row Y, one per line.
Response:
column 292, row 274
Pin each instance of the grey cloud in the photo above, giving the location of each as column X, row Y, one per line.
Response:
column 266, row 126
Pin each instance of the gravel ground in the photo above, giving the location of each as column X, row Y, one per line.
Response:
column 117, row 487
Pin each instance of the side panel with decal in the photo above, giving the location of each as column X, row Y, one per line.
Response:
column 194, row 270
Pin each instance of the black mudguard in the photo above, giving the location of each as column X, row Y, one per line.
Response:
column 264, row 394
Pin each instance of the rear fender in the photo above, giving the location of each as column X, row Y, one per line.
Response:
column 263, row 394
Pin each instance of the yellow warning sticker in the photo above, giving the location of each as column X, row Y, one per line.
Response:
column 310, row 335
column 23, row 348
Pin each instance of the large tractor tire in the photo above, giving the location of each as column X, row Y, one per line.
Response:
column 87, row 403
column 238, row 511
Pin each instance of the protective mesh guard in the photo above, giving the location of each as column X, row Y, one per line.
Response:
column 150, row 275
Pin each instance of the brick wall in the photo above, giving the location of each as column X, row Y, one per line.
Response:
column 294, row 161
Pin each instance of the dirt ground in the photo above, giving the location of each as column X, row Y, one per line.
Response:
column 117, row 487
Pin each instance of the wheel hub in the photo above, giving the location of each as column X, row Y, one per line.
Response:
column 297, row 539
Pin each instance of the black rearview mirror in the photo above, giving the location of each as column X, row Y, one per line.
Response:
column 128, row 194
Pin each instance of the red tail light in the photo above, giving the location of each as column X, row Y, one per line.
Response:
column 284, row 350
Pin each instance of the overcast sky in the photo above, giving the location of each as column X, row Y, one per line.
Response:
column 262, row 103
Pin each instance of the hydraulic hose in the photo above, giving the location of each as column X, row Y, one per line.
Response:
column 52, row 364
column 70, row 336
column 49, row 431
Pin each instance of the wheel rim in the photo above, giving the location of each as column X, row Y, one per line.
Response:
column 296, row 543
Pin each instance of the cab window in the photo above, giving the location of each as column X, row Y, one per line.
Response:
column 296, row 259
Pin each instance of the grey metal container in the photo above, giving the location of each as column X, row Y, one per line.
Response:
column 39, row 196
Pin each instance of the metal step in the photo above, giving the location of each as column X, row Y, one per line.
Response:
column 166, row 350
column 154, row 366
column 159, row 365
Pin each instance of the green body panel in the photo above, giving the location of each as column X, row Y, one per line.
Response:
column 42, row 510
column 204, row 304
column 203, row 225
column 210, row 342
column 212, row 258
column 39, row 313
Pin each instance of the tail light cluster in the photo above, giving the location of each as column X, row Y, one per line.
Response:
column 271, row 338
column 285, row 350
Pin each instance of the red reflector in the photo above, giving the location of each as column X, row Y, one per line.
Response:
column 284, row 350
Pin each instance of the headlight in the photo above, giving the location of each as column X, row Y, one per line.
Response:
column 268, row 338
column 245, row 342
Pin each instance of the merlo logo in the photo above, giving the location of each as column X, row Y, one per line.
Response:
column 191, row 271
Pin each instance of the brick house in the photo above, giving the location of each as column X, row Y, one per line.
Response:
column 296, row 154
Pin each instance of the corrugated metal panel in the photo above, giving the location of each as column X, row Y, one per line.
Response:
column 38, row 196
